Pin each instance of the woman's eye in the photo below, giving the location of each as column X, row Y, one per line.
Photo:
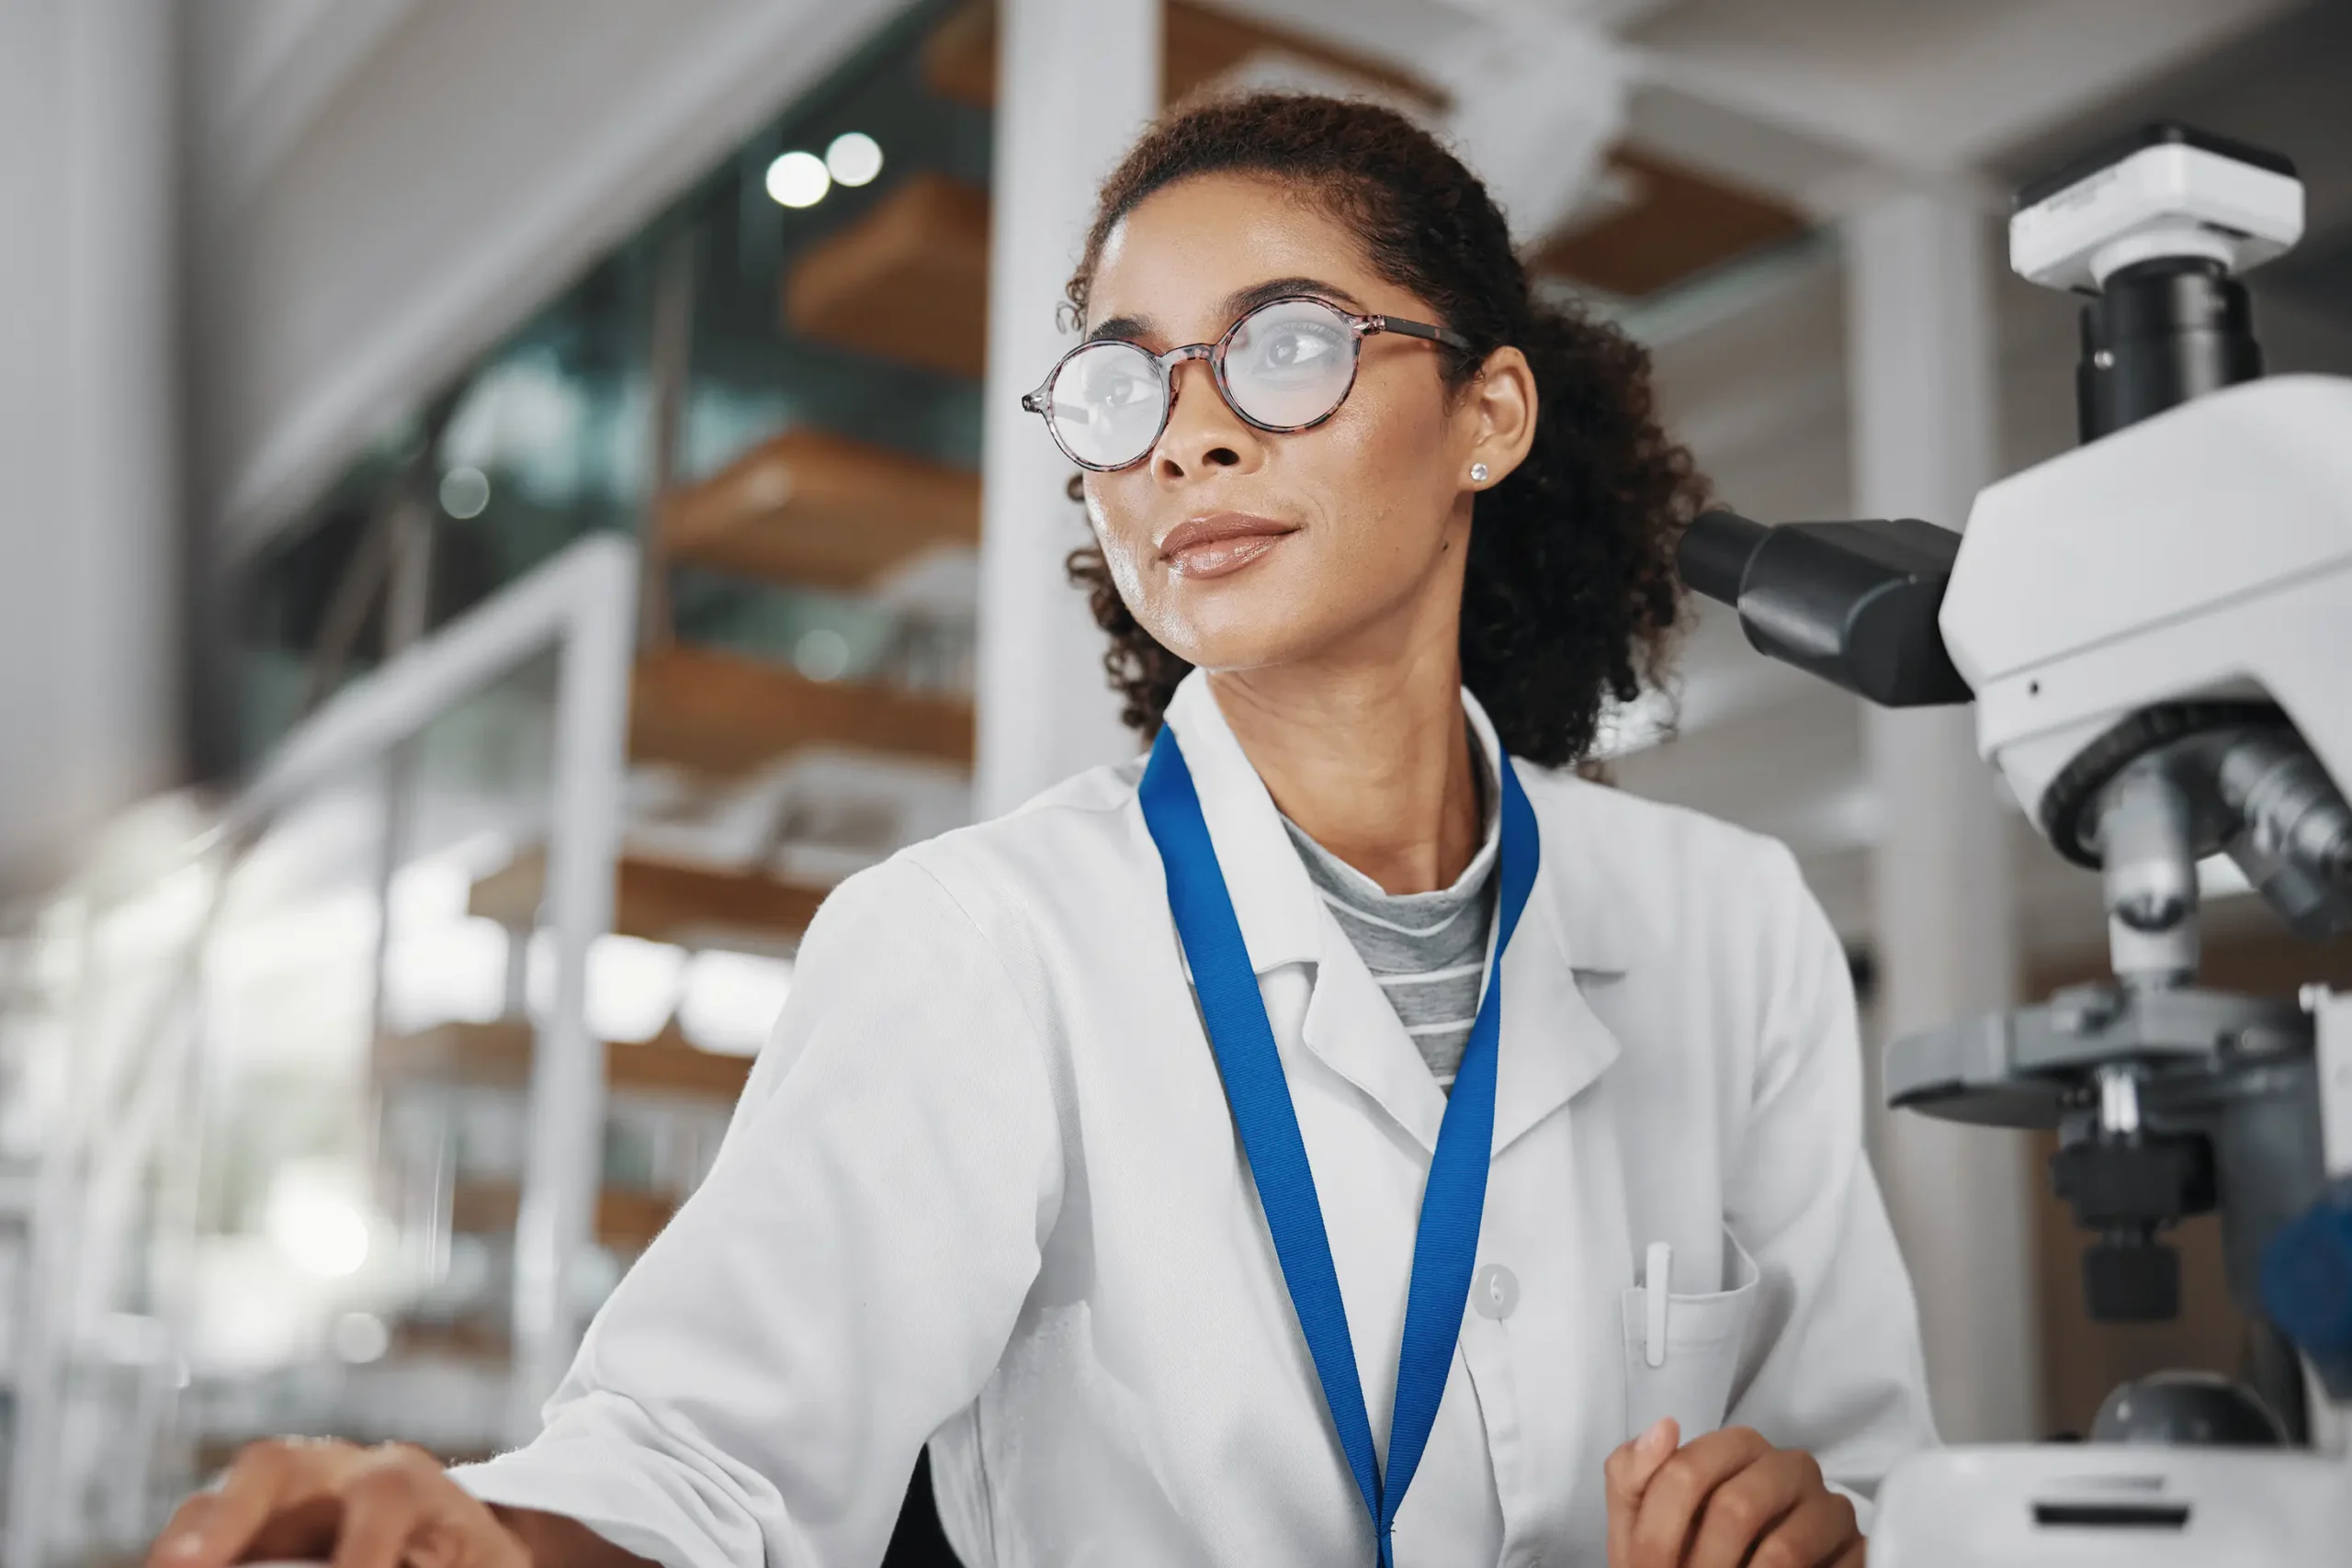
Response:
column 1294, row 348
column 1119, row 391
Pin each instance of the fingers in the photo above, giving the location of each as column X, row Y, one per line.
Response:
column 1854, row 1554
column 184, row 1525
column 384, row 1504
column 372, row 1509
column 1632, row 1463
column 505, row 1547
column 1756, row 1504
column 210, row 1529
column 1626, row 1475
column 401, row 1510
column 1670, row 1503
column 1820, row 1530
column 298, row 1532
column 267, row 1480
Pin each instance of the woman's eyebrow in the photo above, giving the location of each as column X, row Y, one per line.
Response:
column 1243, row 300
column 1238, row 304
column 1126, row 328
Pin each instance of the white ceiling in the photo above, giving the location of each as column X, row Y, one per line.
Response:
column 1929, row 86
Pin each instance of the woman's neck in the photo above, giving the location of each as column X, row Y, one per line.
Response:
column 1371, row 762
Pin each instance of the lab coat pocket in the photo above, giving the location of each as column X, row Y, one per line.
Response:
column 1688, row 1375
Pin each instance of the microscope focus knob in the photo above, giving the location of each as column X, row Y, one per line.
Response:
column 2187, row 1409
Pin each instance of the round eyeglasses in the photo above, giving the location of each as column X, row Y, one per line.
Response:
column 1287, row 366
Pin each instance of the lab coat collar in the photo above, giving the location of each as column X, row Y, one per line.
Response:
column 1553, row 1044
column 1280, row 913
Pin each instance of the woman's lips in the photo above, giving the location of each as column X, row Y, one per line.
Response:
column 1224, row 556
column 1218, row 544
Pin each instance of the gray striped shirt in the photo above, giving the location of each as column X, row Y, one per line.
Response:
column 1426, row 951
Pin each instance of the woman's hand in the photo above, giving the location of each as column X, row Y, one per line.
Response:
column 1726, row 1499
column 309, row 1500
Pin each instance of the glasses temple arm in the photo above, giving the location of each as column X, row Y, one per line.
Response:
column 1420, row 330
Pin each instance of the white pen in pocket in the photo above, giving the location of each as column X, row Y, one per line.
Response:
column 1658, row 1285
column 1682, row 1350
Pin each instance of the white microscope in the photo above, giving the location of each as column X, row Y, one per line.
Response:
column 2156, row 631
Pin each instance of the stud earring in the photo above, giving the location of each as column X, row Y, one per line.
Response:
column 1477, row 473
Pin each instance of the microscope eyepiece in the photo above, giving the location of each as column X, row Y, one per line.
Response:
column 1714, row 553
column 1854, row 603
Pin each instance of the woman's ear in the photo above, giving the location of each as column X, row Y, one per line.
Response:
column 1503, row 406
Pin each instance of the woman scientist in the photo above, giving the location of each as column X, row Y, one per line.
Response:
column 1345, row 1136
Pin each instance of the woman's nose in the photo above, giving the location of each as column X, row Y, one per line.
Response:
column 1203, row 434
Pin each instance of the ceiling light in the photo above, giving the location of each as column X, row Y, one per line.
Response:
column 465, row 491
column 798, row 179
column 822, row 654
column 317, row 1226
column 854, row 158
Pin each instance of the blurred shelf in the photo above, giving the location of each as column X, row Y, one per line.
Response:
column 811, row 508
column 1198, row 45
column 498, row 1055
column 721, row 712
column 906, row 281
column 664, row 901
column 626, row 1220
column 470, row 1341
column 1673, row 224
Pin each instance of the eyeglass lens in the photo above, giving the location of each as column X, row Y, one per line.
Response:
column 1287, row 365
column 1106, row 403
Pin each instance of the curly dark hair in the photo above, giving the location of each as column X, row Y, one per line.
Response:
column 1570, row 593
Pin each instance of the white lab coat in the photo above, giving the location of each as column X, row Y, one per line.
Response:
column 983, row 1191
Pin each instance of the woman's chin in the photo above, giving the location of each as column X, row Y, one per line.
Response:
column 1237, row 635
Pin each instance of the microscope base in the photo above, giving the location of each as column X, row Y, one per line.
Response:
column 2113, row 1505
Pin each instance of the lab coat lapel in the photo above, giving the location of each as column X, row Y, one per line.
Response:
column 1552, row 1042
column 1349, row 1025
column 1352, row 1027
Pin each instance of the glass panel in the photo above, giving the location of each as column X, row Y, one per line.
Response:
column 365, row 1127
column 548, row 435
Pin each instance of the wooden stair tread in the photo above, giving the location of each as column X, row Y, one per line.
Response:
column 626, row 1220
column 663, row 900
column 722, row 713
column 498, row 1055
column 485, row 1345
column 1197, row 45
column 807, row 507
column 1680, row 224
column 906, row 281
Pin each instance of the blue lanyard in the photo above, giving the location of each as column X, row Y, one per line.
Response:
column 1445, row 1246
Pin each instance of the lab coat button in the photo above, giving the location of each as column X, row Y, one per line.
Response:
column 1494, row 1292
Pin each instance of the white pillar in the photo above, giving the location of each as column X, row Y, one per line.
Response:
column 1921, row 375
column 88, row 535
column 1075, row 81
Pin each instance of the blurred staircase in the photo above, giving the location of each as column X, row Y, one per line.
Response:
column 670, row 901
column 907, row 282
column 717, row 713
column 498, row 1055
column 822, row 511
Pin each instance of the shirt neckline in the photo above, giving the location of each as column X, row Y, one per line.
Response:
column 1463, row 888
